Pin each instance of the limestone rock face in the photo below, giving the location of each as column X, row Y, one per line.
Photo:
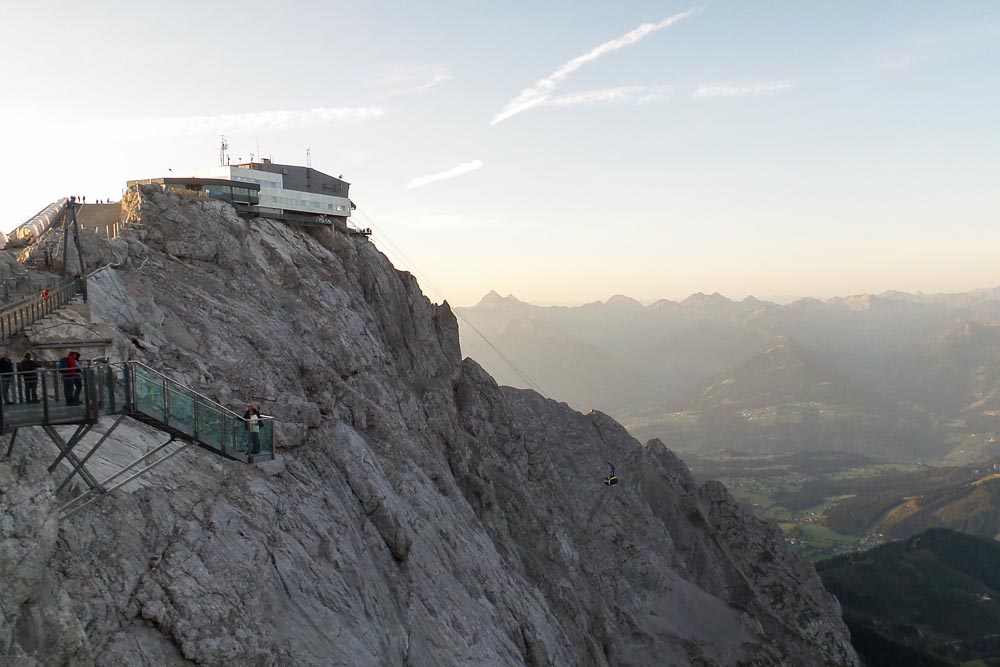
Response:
column 417, row 513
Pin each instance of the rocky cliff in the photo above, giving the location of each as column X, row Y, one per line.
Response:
column 416, row 513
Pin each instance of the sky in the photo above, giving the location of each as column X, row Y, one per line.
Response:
column 563, row 151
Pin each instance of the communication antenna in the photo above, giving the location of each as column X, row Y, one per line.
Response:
column 223, row 156
column 309, row 160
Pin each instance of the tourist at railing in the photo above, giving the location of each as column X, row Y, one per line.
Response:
column 72, row 382
column 6, row 375
column 27, row 368
column 252, row 415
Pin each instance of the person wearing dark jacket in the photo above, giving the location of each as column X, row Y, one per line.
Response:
column 28, row 368
column 6, row 376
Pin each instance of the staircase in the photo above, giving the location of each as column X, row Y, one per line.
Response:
column 165, row 404
column 16, row 317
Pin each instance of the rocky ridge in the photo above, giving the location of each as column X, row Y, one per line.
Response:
column 416, row 513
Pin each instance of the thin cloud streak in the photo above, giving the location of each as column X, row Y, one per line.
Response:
column 542, row 89
column 409, row 80
column 623, row 95
column 461, row 169
column 244, row 122
column 708, row 90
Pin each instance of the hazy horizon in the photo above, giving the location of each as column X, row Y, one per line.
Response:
column 779, row 299
column 655, row 150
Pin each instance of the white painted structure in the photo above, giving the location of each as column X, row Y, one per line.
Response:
column 273, row 194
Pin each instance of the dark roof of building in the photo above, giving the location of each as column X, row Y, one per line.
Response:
column 303, row 179
column 175, row 180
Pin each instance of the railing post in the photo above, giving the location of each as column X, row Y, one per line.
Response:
column 45, row 395
column 130, row 386
column 88, row 379
column 197, row 417
column 109, row 385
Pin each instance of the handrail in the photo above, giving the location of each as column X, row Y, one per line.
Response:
column 179, row 409
column 195, row 392
column 51, row 396
column 17, row 316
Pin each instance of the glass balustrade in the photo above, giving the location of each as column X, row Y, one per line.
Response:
column 49, row 396
column 191, row 414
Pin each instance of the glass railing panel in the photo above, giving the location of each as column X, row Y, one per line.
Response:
column 181, row 404
column 267, row 438
column 149, row 395
column 119, row 387
column 210, row 424
column 237, row 436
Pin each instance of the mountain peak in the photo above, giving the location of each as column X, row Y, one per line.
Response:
column 702, row 299
column 493, row 299
column 622, row 300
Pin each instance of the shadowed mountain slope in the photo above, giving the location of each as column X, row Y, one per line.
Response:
column 938, row 592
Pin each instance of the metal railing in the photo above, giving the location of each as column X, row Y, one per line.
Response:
column 48, row 396
column 194, row 415
column 52, row 396
column 17, row 316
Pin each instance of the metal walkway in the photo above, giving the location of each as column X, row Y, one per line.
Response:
column 134, row 390
column 49, row 398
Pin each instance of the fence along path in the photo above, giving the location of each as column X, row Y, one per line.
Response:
column 21, row 314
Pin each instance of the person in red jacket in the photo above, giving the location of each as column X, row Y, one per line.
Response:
column 72, row 380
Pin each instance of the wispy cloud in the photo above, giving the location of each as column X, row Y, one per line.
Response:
column 463, row 168
column 399, row 80
column 707, row 90
column 255, row 121
column 541, row 90
column 621, row 95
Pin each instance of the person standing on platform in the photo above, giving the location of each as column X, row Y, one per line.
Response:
column 77, row 378
column 252, row 415
column 6, row 376
column 69, row 369
column 28, row 368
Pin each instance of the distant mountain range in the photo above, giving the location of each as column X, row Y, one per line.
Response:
column 906, row 376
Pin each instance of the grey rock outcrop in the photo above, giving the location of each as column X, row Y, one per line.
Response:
column 417, row 513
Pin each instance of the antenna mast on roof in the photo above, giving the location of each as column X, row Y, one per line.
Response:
column 309, row 160
column 223, row 158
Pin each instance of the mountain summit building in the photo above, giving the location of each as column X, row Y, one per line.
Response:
column 286, row 192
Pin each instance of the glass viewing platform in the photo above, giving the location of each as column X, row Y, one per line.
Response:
column 39, row 398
